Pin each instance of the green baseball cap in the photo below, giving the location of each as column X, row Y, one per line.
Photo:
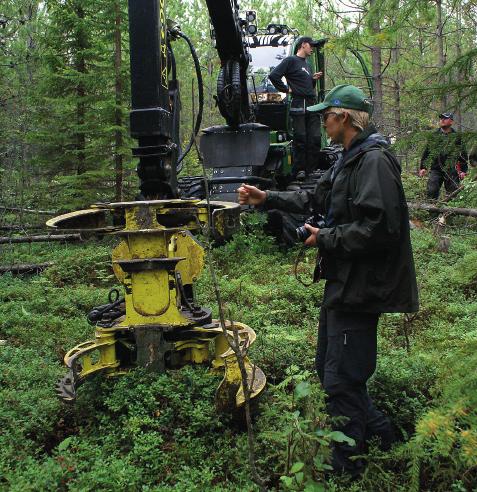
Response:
column 346, row 97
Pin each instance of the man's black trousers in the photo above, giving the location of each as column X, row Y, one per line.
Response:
column 345, row 360
column 306, row 141
column 437, row 177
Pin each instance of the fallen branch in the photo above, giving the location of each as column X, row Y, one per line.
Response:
column 25, row 268
column 40, row 239
column 28, row 210
column 469, row 212
column 452, row 195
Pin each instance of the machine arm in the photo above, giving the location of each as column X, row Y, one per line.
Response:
column 232, row 92
column 154, row 107
column 152, row 121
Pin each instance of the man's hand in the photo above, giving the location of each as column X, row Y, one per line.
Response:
column 251, row 195
column 317, row 75
column 460, row 173
column 311, row 241
column 422, row 172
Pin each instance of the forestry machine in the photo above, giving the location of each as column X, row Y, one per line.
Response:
column 155, row 322
column 265, row 162
column 256, row 146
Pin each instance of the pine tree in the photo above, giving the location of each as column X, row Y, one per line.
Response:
column 18, row 67
column 80, row 101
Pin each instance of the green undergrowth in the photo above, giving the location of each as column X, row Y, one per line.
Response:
column 153, row 432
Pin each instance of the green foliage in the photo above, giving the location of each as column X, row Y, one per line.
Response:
column 146, row 432
column 29, row 415
column 467, row 198
column 414, row 188
column 93, row 268
column 401, row 387
column 58, row 83
column 158, row 432
column 77, row 104
column 444, row 448
column 294, row 432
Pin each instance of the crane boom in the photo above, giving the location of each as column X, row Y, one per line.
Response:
column 151, row 117
column 232, row 93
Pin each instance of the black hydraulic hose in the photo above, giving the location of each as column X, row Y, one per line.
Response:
column 172, row 60
column 254, row 106
column 198, row 120
column 184, row 299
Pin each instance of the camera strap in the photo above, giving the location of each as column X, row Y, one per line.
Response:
column 317, row 271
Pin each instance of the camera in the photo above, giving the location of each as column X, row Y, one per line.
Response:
column 329, row 155
column 302, row 233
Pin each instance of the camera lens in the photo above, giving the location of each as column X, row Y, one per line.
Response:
column 302, row 233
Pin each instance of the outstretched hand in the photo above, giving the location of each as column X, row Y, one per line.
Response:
column 251, row 195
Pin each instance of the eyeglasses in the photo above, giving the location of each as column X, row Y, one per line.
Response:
column 325, row 116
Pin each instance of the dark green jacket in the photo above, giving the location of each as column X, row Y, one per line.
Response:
column 366, row 255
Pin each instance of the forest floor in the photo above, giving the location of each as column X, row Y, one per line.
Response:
column 150, row 432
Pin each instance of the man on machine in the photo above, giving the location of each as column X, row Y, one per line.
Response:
column 301, row 86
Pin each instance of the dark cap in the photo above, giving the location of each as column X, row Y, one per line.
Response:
column 449, row 115
column 346, row 97
column 306, row 39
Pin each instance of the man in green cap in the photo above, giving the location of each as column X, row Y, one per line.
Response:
column 365, row 257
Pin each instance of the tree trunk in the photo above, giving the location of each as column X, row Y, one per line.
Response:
column 396, row 89
column 80, row 65
column 440, row 47
column 460, row 75
column 40, row 239
column 468, row 212
column 210, row 88
column 28, row 210
column 118, row 117
column 25, row 268
column 376, row 72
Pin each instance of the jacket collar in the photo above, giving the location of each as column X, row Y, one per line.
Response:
column 362, row 136
column 440, row 130
column 360, row 143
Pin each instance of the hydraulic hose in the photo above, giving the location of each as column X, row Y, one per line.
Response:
column 172, row 59
column 198, row 120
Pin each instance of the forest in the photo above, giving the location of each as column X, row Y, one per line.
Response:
column 65, row 143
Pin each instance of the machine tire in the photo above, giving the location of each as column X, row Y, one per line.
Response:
column 191, row 187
